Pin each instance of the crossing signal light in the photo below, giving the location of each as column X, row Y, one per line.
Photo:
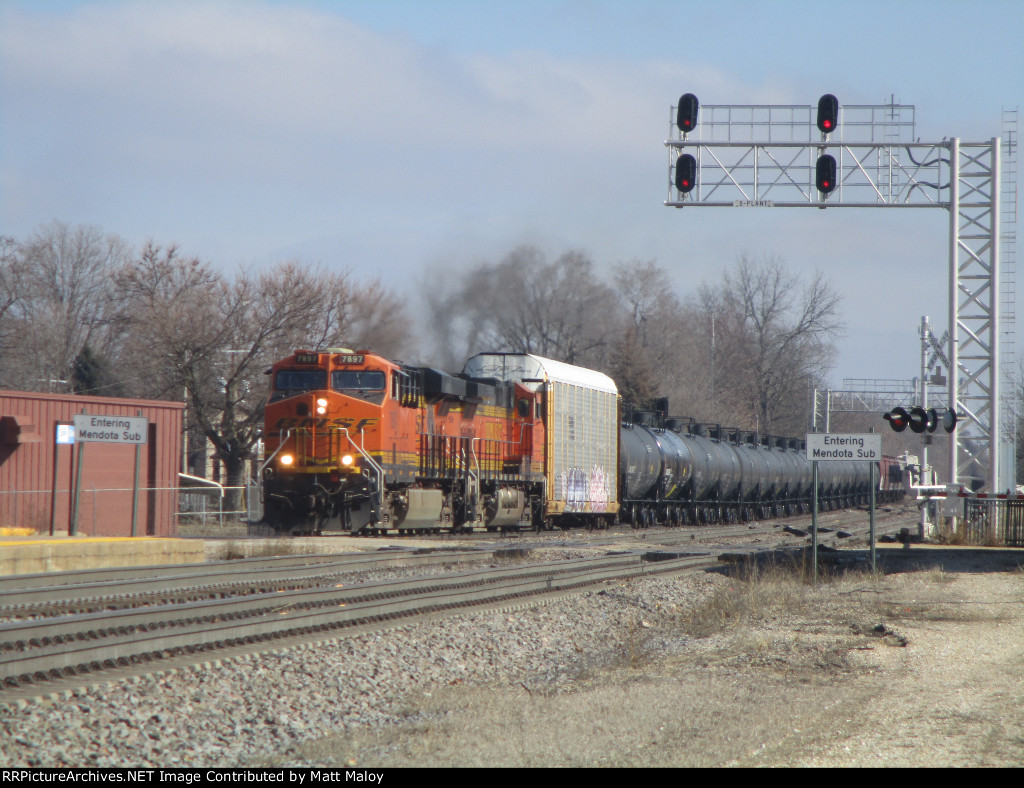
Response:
column 825, row 174
column 920, row 420
column 686, row 114
column 686, row 173
column 828, row 113
column 898, row 419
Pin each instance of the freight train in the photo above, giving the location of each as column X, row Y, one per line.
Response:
column 358, row 443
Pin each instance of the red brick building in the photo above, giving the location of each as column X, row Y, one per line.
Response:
column 40, row 479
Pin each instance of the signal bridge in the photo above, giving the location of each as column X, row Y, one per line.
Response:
column 869, row 156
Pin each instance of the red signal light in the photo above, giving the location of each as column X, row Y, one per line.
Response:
column 686, row 116
column 828, row 113
column 825, row 174
column 686, row 173
column 898, row 419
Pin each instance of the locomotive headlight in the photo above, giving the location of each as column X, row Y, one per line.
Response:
column 287, row 459
column 347, row 459
column 321, row 406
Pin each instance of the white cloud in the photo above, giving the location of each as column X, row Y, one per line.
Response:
column 250, row 71
column 240, row 129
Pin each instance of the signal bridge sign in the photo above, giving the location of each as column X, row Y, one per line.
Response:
column 844, row 447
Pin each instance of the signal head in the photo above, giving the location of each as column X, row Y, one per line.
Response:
column 898, row 419
column 949, row 419
column 828, row 113
column 825, row 174
column 686, row 173
column 918, row 419
column 686, row 114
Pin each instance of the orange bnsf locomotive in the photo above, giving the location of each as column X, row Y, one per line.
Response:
column 366, row 445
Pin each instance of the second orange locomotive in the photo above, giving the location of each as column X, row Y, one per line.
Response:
column 364, row 444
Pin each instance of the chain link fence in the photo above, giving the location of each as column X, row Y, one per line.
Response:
column 207, row 505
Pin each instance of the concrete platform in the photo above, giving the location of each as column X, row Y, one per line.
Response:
column 29, row 555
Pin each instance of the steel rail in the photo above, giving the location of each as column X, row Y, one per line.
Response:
column 106, row 575
column 449, row 592
column 219, row 578
column 45, row 630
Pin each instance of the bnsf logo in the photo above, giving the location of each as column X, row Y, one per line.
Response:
column 291, row 423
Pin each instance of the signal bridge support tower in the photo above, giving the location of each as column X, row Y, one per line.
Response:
column 868, row 156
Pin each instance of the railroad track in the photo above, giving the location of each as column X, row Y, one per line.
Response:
column 69, row 645
column 85, row 591
column 143, row 618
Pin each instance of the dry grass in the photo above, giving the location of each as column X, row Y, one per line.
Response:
column 753, row 667
column 627, row 720
column 264, row 548
column 963, row 535
column 762, row 590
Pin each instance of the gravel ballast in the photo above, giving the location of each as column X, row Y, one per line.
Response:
column 914, row 668
column 237, row 712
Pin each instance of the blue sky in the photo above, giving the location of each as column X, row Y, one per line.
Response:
column 391, row 137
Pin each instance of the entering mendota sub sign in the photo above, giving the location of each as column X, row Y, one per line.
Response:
column 848, row 447
column 111, row 429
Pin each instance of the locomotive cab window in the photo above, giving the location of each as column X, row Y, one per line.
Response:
column 357, row 380
column 299, row 380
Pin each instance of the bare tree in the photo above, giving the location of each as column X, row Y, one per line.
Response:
column 648, row 354
column 774, row 340
column 524, row 304
column 195, row 332
column 63, row 307
column 12, row 291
